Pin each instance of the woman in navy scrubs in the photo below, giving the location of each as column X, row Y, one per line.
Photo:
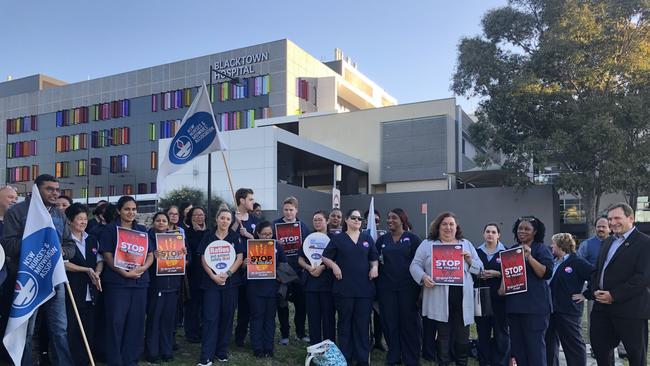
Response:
column 161, row 301
column 565, row 326
column 528, row 312
column 83, row 271
column 194, row 232
column 353, row 258
column 125, row 292
column 397, row 292
column 318, row 291
column 493, row 335
column 220, row 293
column 262, row 299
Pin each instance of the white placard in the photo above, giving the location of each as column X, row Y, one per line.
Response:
column 220, row 256
column 313, row 247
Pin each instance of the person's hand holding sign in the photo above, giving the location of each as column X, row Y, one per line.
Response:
column 316, row 271
column 427, row 281
column 468, row 257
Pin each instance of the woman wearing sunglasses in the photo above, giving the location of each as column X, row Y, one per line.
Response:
column 353, row 258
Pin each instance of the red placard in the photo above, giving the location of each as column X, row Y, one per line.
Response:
column 131, row 248
column 261, row 256
column 290, row 237
column 513, row 270
column 447, row 266
column 171, row 260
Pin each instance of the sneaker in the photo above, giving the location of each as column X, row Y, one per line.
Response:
column 204, row 363
column 222, row 359
column 304, row 339
column 284, row 341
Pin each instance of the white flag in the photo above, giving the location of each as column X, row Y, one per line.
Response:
column 197, row 135
column 372, row 225
column 39, row 270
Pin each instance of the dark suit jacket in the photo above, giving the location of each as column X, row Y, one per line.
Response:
column 627, row 278
column 79, row 281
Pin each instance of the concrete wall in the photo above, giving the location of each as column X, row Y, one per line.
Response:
column 358, row 134
column 474, row 207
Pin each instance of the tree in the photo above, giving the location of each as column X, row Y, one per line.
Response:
column 193, row 195
column 564, row 83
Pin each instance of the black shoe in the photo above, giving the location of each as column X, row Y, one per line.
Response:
column 167, row 358
column 259, row 354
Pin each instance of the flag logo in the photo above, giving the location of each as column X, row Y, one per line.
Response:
column 193, row 138
column 26, row 290
column 183, row 148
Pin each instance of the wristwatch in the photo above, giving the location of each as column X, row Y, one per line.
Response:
column 229, row 273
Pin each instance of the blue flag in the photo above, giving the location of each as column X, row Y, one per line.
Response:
column 40, row 269
column 197, row 135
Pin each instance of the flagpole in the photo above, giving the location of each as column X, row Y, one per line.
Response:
column 208, row 218
column 81, row 326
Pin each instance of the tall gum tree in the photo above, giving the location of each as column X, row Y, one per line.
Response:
column 564, row 83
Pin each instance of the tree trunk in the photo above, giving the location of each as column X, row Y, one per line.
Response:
column 632, row 197
column 590, row 202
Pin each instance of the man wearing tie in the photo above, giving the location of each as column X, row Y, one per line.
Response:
column 620, row 286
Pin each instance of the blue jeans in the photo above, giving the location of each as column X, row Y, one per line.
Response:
column 57, row 325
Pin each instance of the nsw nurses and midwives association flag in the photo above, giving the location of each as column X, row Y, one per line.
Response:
column 198, row 135
column 39, row 270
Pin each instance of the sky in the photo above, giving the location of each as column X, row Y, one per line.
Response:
column 408, row 47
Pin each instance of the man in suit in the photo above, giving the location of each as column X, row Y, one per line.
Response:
column 620, row 286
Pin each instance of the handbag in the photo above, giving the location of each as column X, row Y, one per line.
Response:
column 325, row 353
column 482, row 301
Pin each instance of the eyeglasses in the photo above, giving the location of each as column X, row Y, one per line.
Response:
column 52, row 189
column 356, row 218
column 172, row 214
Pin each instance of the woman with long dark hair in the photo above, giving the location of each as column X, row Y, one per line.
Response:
column 397, row 292
column 352, row 257
column 125, row 291
column 451, row 307
column 528, row 312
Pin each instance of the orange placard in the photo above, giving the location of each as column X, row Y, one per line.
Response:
column 171, row 257
column 131, row 248
column 261, row 259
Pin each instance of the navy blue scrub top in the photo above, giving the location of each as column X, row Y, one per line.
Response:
column 107, row 244
column 236, row 278
column 537, row 300
column 354, row 260
column 250, row 226
column 395, row 260
column 322, row 283
column 268, row 287
column 304, row 231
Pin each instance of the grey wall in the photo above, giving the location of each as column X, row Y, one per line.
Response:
column 414, row 149
column 473, row 207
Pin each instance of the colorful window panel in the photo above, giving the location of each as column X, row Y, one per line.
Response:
column 21, row 149
column 302, row 89
column 81, row 167
column 114, row 109
column 127, row 189
column 236, row 120
column 98, row 191
column 172, row 99
column 111, row 190
column 266, row 112
column 154, row 187
column 62, row 169
column 84, row 192
column 66, row 192
column 153, row 163
column 142, row 188
column 168, row 128
column 35, row 171
column 67, row 143
column 22, row 124
column 152, row 132
column 18, row 174
column 120, row 136
column 96, row 166
column 74, row 116
column 119, row 163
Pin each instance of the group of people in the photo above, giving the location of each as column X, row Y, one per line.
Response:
column 128, row 313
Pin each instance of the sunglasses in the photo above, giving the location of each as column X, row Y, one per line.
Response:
column 356, row 218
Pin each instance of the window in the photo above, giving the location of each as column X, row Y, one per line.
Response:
column 142, row 188
column 81, row 167
column 168, row 128
column 113, row 137
column 62, row 169
column 96, row 166
column 18, row 174
column 21, row 149
column 111, row 190
column 69, row 117
column 127, row 189
column 66, row 192
column 67, row 143
column 35, row 171
column 152, row 131
column 572, row 211
column 172, row 99
column 247, row 87
column 153, row 187
column 22, row 124
column 236, row 120
column 114, row 109
column 98, row 191
column 154, row 160
column 119, row 163
column 84, row 192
